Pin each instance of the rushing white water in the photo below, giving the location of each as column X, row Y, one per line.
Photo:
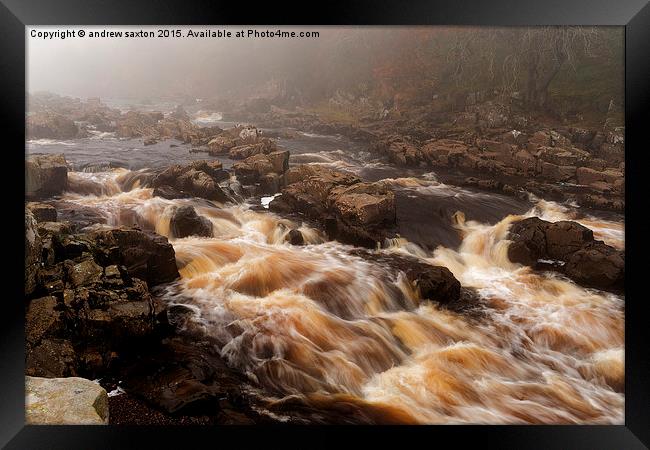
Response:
column 316, row 322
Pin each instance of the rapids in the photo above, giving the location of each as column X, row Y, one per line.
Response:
column 316, row 323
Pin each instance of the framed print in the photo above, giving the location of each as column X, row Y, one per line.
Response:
column 404, row 218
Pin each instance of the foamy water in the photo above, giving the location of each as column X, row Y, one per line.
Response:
column 316, row 322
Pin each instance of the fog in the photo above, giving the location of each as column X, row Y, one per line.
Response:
column 575, row 67
column 160, row 66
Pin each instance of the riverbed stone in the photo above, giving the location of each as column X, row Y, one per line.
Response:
column 186, row 222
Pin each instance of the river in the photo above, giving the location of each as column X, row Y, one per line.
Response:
column 321, row 324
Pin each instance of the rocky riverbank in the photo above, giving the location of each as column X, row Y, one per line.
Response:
column 497, row 147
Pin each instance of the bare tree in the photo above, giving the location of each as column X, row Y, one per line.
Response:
column 544, row 51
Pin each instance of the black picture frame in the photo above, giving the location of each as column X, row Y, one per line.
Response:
column 634, row 15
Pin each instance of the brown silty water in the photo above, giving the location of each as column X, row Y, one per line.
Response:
column 316, row 323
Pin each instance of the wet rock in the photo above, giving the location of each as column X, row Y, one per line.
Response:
column 549, row 138
column 279, row 160
column 350, row 211
column 214, row 168
column 597, row 265
column 251, row 169
column 267, row 170
column 308, row 190
column 186, row 222
column 435, row 283
column 246, row 139
column 46, row 175
column 198, row 179
column 200, row 184
column 97, row 302
column 146, row 255
column 586, row 261
column 42, row 211
column 525, row 162
column 565, row 237
column 120, row 322
column 364, row 204
column 65, row 401
column 529, row 241
column 295, row 237
column 33, row 253
column 150, row 141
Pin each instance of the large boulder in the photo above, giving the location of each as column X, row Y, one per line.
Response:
column 565, row 237
column 246, row 137
column 198, row 179
column 351, row 211
column 435, row 283
column 597, row 265
column 364, row 204
column 146, row 255
column 570, row 248
column 308, row 190
column 255, row 168
column 432, row 283
column 46, row 175
column 528, row 241
column 65, row 401
column 33, row 253
column 186, row 222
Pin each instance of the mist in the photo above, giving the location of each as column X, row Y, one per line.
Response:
column 159, row 66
